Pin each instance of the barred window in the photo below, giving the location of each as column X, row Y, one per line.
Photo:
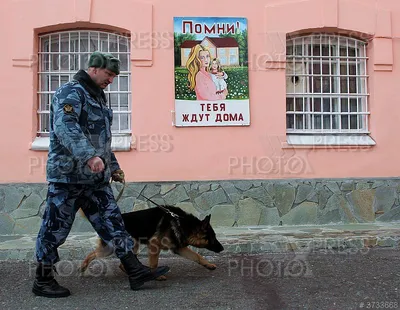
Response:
column 62, row 54
column 326, row 85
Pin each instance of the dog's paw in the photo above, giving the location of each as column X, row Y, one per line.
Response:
column 161, row 278
column 211, row 266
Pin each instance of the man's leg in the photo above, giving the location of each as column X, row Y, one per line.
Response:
column 103, row 213
column 57, row 221
column 105, row 217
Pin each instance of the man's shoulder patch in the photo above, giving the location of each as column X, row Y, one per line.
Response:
column 68, row 109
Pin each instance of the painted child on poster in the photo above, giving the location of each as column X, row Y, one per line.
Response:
column 211, row 72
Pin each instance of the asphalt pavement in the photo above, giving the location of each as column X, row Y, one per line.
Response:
column 367, row 278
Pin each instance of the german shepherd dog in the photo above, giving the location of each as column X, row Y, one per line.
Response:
column 159, row 230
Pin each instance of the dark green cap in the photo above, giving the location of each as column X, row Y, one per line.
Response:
column 104, row 60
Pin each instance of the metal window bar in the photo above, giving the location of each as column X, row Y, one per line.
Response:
column 330, row 82
column 331, row 113
column 69, row 50
column 307, row 86
column 118, row 80
column 40, row 104
column 79, row 50
column 293, row 71
column 365, row 88
column 327, row 57
column 303, row 52
column 322, row 85
column 48, row 74
column 348, row 82
column 59, row 59
column 312, row 83
column 359, row 117
column 338, row 80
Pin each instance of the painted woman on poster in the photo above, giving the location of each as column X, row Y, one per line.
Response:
column 200, row 79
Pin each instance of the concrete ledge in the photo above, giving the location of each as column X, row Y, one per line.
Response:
column 238, row 203
column 120, row 142
column 347, row 239
column 358, row 140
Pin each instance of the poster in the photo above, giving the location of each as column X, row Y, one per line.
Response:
column 211, row 71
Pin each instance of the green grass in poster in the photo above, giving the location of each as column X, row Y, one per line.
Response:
column 238, row 86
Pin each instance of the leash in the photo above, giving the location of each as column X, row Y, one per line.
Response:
column 175, row 223
column 121, row 192
column 174, row 215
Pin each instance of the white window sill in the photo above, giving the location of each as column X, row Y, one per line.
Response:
column 293, row 140
column 119, row 143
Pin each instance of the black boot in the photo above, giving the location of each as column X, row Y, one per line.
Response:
column 138, row 273
column 45, row 284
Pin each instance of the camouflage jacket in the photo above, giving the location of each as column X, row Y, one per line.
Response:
column 80, row 128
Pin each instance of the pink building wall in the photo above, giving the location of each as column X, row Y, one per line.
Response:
column 206, row 153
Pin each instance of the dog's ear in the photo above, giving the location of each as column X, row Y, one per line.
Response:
column 206, row 221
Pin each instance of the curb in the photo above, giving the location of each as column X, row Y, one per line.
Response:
column 236, row 240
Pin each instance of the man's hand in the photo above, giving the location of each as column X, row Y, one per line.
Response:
column 96, row 164
column 118, row 176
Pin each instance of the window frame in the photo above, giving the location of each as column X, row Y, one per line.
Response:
column 307, row 94
column 120, row 88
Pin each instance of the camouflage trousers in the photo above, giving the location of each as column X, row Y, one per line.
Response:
column 98, row 204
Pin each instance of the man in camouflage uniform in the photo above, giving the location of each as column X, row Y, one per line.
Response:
column 79, row 167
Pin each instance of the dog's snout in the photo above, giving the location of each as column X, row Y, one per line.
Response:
column 216, row 247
